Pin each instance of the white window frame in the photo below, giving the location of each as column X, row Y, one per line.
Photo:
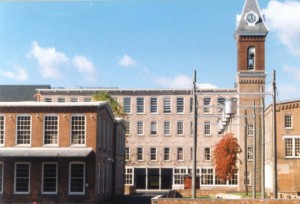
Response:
column 44, row 130
column 210, row 176
column 137, row 153
column 28, row 178
column 128, row 127
column 153, row 128
column 180, row 128
column 71, row 131
column 178, row 175
column 290, row 122
column 178, row 154
column 43, row 178
column 87, row 99
column 207, row 154
column 207, row 105
column 248, row 177
column 153, row 152
column 18, row 129
column 127, row 154
column 74, row 99
column 61, row 100
column 251, row 58
column 165, row 128
column 140, row 128
column 83, row 179
column 250, row 153
column 250, row 130
column 2, row 130
column 127, row 105
column 294, row 153
column 48, row 99
column 140, row 106
column 167, row 105
column 168, row 154
column 180, row 105
column 154, row 104
column 129, row 176
column 207, row 128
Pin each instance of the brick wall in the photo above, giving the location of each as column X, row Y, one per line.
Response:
column 216, row 201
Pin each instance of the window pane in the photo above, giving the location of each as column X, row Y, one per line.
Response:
column 140, row 105
column 288, row 121
column 1, row 177
column 22, row 172
column 140, row 153
column 140, row 128
column 167, row 105
column 167, row 127
column 77, row 178
column 180, row 127
column 49, row 178
column 288, row 147
column 50, row 129
column 153, row 105
column 207, row 105
column 207, row 128
column 180, row 105
column 1, row 130
column 78, row 129
column 153, row 154
column 166, row 153
column 23, row 129
column 127, row 105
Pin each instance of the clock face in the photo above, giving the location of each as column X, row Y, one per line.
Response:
column 251, row 18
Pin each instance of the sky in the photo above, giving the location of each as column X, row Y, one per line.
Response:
column 141, row 44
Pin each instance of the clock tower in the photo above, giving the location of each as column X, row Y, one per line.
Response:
column 250, row 35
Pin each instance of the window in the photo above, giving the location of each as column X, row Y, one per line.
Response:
column 153, row 153
column 191, row 105
column 180, row 127
column 48, row 99
column 288, row 121
column 180, row 105
column 250, row 153
column 49, row 178
column 207, row 176
column 207, row 153
column 73, row 99
column 23, row 130
column 167, row 128
column 247, row 179
column 221, row 103
column 87, row 99
column 207, row 105
column 292, row 146
column 167, row 105
column 179, row 174
column 140, row 154
column 192, row 128
column 78, row 130
column 153, row 128
column 140, row 105
column 251, row 58
column 22, row 178
column 50, row 130
column 77, row 178
column 127, row 154
column 207, row 128
column 153, row 105
column 179, row 154
column 250, row 130
column 1, row 177
column 233, row 180
column 129, row 176
column 192, row 153
column 166, row 154
column 140, row 128
column 1, row 131
column 127, row 105
column 128, row 128
column 61, row 100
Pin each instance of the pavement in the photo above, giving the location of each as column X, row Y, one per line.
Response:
column 138, row 198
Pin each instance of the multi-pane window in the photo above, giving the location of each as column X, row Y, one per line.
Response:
column 288, row 121
column 153, row 154
column 77, row 178
column 179, row 174
column 22, row 178
column 251, row 58
column 153, row 128
column 127, row 105
column 180, row 105
column 191, row 105
column 250, row 153
column 207, row 153
column 233, row 180
column 207, row 105
column 87, row 99
column 180, row 127
column 128, row 176
column 74, row 99
column 1, row 177
column 140, row 108
column 153, row 105
column 49, row 178
column 179, row 154
column 48, row 99
column 247, row 178
column 128, row 128
column 61, row 100
column 167, row 128
column 50, row 129
column 221, row 103
column 192, row 127
column 140, row 128
column 292, row 146
column 207, row 128
column 167, row 154
column 140, row 153
column 1, row 130
column 250, row 130
column 78, row 129
column 23, row 130
column 127, row 154
column 207, row 176
column 167, row 105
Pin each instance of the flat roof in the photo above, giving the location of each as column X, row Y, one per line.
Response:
column 51, row 104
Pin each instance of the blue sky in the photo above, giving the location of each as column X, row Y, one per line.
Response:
column 141, row 43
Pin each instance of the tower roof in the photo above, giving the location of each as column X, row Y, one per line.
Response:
column 246, row 26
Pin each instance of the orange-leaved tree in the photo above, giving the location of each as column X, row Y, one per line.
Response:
column 225, row 157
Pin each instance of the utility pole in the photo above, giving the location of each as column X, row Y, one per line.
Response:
column 194, row 172
column 263, row 146
column 246, row 155
column 275, row 181
column 254, row 152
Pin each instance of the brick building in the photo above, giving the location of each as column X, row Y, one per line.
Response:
column 54, row 152
column 288, row 146
column 159, row 125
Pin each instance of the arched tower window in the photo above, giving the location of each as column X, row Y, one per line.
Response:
column 251, row 58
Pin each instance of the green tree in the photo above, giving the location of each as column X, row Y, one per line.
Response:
column 115, row 106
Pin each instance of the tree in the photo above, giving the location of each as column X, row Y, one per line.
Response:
column 225, row 157
column 115, row 106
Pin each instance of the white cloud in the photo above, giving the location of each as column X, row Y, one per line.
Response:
column 181, row 81
column 127, row 61
column 283, row 19
column 49, row 60
column 83, row 64
column 18, row 73
column 293, row 71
